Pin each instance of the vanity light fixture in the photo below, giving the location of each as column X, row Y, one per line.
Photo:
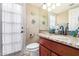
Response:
column 58, row 4
column 50, row 6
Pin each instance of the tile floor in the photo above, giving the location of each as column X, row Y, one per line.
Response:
column 26, row 53
column 22, row 54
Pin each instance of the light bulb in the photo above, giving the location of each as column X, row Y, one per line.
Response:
column 49, row 9
column 44, row 6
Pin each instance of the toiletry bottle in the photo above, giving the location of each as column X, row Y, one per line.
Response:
column 74, row 34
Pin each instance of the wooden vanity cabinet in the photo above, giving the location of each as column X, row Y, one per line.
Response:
column 52, row 48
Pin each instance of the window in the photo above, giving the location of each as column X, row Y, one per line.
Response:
column 52, row 19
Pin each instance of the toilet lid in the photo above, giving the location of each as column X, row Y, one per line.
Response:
column 32, row 46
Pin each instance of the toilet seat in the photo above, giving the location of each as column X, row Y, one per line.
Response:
column 32, row 46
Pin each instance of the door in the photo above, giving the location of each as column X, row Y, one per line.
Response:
column 11, row 28
column 44, row 51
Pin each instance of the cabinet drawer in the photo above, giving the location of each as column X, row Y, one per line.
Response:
column 49, row 44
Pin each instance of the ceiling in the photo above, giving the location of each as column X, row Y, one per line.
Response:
column 63, row 7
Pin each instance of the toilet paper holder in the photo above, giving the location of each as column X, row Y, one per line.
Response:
column 31, row 35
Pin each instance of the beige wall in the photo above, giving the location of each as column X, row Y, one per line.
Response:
column 39, row 15
column 62, row 18
column 43, row 18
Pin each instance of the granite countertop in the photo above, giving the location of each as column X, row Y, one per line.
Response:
column 64, row 39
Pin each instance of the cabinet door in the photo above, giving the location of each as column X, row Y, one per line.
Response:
column 53, row 54
column 44, row 51
column 49, row 44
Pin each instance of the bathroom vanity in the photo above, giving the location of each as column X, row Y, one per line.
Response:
column 58, row 45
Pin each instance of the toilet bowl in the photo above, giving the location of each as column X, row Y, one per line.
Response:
column 33, row 49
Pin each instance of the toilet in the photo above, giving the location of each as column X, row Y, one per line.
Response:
column 33, row 49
